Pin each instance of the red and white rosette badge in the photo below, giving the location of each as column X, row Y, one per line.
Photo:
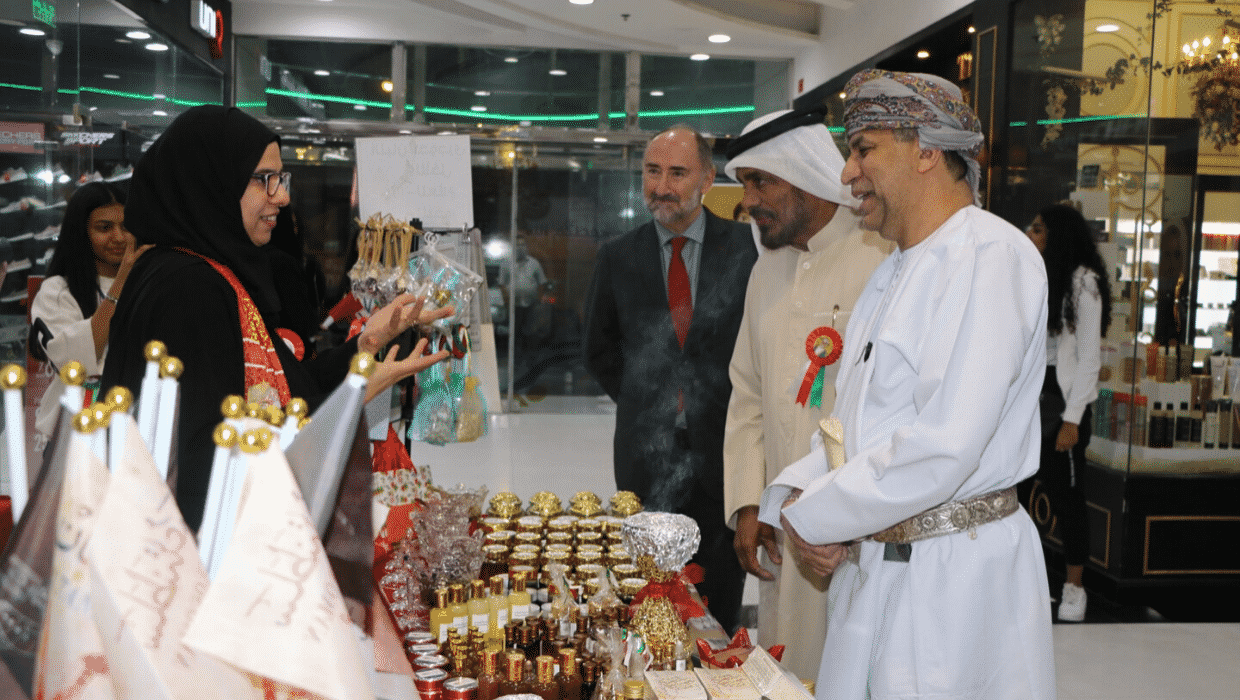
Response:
column 823, row 345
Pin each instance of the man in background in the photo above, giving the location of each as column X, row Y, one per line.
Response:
column 662, row 315
column 800, row 296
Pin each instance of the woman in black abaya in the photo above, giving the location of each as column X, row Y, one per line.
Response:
column 206, row 194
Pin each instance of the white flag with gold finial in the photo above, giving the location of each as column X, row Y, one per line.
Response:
column 275, row 609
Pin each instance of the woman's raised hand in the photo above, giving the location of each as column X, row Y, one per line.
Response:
column 393, row 319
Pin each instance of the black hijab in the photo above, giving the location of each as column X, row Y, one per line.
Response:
column 186, row 191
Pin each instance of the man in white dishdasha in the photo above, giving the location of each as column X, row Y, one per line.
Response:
column 939, row 587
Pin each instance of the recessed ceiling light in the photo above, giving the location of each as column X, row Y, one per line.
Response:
column 156, row 46
column 111, row 76
column 557, row 71
column 138, row 34
column 160, row 96
column 511, row 59
column 525, row 122
column 719, row 38
column 123, row 41
column 656, row 93
column 406, row 131
column 31, row 31
column 160, row 113
column 360, row 108
column 387, row 86
column 600, row 139
column 1106, row 28
column 923, row 54
column 478, row 108
column 843, row 95
column 322, row 72
column 482, row 93
column 582, row 2
column 700, row 57
column 972, row 29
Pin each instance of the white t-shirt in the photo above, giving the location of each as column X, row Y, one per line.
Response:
column 70, row 338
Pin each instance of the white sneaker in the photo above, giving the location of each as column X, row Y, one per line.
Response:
column 1072, row 603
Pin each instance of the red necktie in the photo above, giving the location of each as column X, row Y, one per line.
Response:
column 679, row 297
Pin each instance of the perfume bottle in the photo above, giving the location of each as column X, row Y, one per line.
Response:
column 497, row 606
column 568, row 680
column 479, row 609
column 544, row 683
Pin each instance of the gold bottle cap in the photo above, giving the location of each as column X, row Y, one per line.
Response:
column 609, row 523
column 546, row 669
column 256, row 440
column 589, row 557
column 505, row 504
column 73, row 373
column 561, row 523
column 171, row 368
column 515, row 664
column 84, row 421
column 586, row 509
column 297, row 407
column 225, row 435
column 589, row 538
column 634, row 690
column 363, row 365
column 590, row 547
column 589, row 525
column 154, row 351
column 119, row 398
column 492, row 524
column 499, row 536
column 495, row 553
column 590, row 572
column 233, row 406
column 527, row 524
column 629, row 587
column 564, row 538
column 496, row 584
column 558, row 547
column 12, row 377
column 623, row 571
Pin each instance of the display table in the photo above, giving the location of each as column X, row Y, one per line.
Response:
column 1172, row 518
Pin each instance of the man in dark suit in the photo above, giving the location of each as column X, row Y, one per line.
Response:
column 662, row 316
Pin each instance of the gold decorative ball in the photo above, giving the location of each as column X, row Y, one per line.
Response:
column 256, row 440
column 73, row 373
column 301, row 424
column 12, row 377
column 297, row 407
column 155, row 351
column 119, row 398
column 233, row 406
column 363, row 364
column 84, row 421
column 225, row 435
column 254, row 409
column 171, row 367
column 274, row 416
column 101, row 412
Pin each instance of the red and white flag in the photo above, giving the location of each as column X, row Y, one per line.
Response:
column 274, row 609
column 147, row 584
column 70, row 663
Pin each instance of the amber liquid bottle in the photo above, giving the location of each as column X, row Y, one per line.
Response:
column 441, row 617
column 589, row 679
column 544, row 685
column 488, row 679
column 514, row 662
column 568, row 680
column 479, row 608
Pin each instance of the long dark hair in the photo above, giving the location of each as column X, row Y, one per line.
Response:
column 1069, row 245
column 74, row 258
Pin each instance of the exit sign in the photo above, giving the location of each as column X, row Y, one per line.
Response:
column 44, row 12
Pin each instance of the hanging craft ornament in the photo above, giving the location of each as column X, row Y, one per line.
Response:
column 823, row 345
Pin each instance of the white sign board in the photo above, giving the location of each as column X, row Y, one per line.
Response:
column 422, row 177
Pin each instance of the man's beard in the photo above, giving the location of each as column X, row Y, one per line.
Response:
column 779, row 234
column 680, row 212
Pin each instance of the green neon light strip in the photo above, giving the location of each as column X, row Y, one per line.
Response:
column 387, row 105
column 1079, row 120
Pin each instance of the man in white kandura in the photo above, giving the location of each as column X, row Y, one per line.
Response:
column 940, row 590
column 799, row 298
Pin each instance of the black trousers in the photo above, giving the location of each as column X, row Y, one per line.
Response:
column 724, row 585
column 1055, row 495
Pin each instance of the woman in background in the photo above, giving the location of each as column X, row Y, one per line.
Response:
column 73, row 309
column 1079, row 313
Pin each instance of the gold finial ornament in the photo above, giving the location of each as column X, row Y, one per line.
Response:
column 84, row 421
column 101, row 412
column 256, row 440
column 273, row 415
column 297, row 407
column 302, row 423
column 12, row 377
column 233, row 406
column 363, row 364
column 171, row 368
column 225, row 435
column 155, row 351
column 119, row 399
column 73, row 373
column 254, row 409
